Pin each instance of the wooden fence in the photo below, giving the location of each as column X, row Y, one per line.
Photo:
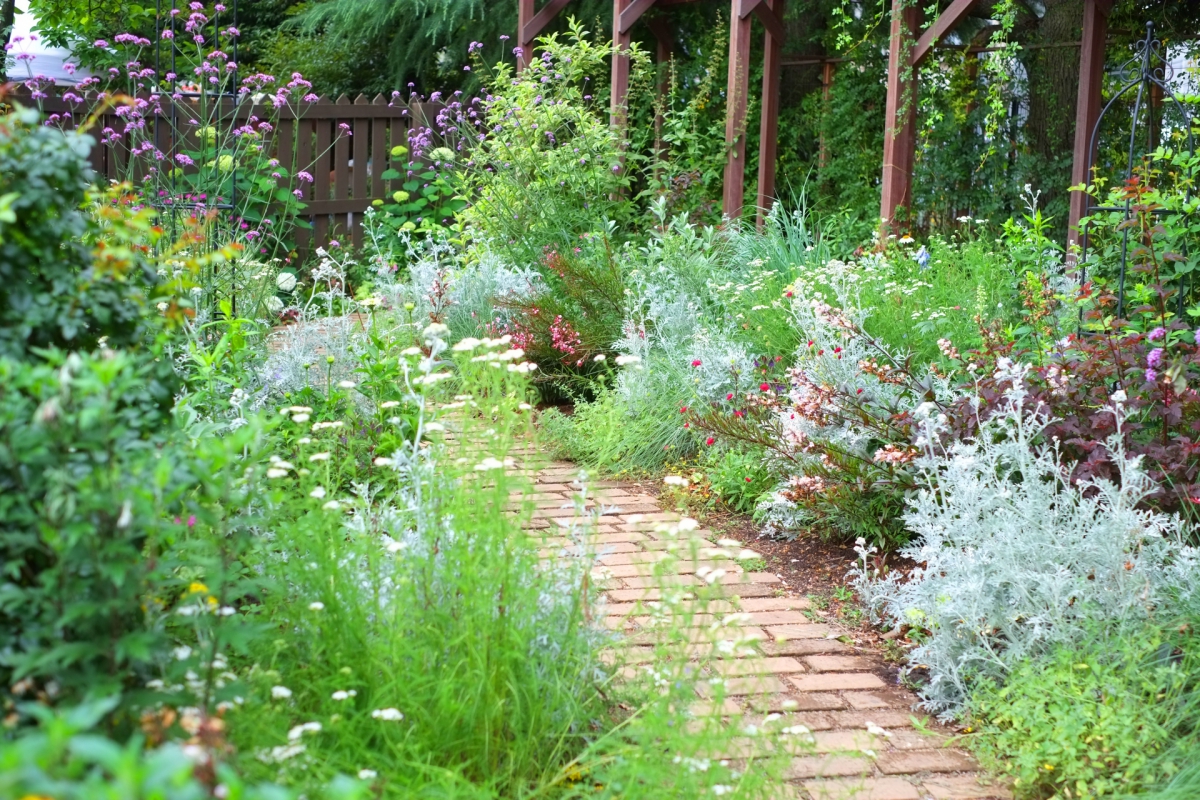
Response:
column 346, row 170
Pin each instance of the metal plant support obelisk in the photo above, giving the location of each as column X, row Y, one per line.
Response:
column 1149, row 70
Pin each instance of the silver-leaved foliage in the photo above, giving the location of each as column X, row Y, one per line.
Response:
column 1014, row 559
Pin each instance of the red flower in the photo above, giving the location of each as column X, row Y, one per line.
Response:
column 748, row 479
column 687, row 424
column 810, row 343
column 729, row 396
column 766, row 387
column 837, row 349
column 821, row 352
column 739, row 413
column 696, row 363
column 683, row 410
column 858, row 391
column 709, row 441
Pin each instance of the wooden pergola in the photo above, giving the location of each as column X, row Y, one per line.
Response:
column 910, row 45
column 626, row 13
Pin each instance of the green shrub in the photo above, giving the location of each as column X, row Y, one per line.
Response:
column 54, row 292
column 1102, row 720
column 739, row 477
column 67, row 760
column 612, row 435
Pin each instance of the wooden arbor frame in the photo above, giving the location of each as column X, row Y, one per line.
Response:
column 899, row 142
column 531, row 22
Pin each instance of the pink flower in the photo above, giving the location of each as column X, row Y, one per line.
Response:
column 1157, row 334
column 729, row 396
column 696, row 363
column 766, row 387
column 709, row 441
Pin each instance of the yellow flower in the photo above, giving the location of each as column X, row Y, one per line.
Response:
column 1048, row 767
column 400, row 197
column 196, row 587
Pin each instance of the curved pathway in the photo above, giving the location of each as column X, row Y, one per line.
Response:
column 862, row 742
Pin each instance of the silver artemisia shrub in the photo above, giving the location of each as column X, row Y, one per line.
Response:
column 1013, row 559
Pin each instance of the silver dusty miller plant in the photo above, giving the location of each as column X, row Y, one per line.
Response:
column 1014, row 558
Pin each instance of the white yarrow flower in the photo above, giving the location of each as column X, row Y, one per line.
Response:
column 387, row 714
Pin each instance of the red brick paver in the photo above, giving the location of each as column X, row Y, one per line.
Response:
column 853, row 734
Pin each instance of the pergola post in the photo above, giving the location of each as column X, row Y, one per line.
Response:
column 1087, row 107
column 620, row 67
column 736, row 93
column 900, row 116
column 665, row 47
column 737, row 87
column 769, row 125
column 826, row 88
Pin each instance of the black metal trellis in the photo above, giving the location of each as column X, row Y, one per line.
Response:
column 1149, row 70
column 167, row 24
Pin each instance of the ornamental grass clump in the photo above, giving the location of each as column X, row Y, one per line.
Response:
column 1013, row 557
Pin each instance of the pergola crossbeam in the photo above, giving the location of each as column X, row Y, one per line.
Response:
column 632, row 13
column 530, row 25
column 766, row 15
column 946, row 22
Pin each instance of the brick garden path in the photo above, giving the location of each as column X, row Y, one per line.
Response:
column 863, row 744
